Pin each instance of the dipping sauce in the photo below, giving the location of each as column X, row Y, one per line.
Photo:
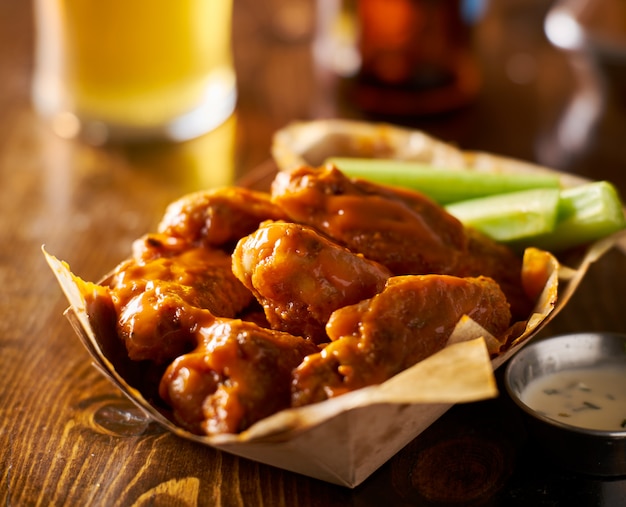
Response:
column 592, row 398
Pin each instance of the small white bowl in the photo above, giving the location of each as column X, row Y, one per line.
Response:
column 589, row 451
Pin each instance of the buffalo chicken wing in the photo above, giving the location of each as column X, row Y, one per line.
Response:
column 408, row 236
column 238, row 374
column 300, row 277
column 218, row 217
column 155, row 296
column 412, row 318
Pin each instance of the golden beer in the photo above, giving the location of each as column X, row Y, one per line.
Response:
column 135, row 68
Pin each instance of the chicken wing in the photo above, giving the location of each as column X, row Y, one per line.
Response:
column 238, row 374
column 155, row 296
column 406, row 232
column 408, row 321
column 301, row 277
column 218, row 217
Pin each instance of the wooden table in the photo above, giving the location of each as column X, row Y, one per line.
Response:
column 67, row 437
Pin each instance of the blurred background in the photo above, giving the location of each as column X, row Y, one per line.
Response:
column 538, row 98
column 540, row 80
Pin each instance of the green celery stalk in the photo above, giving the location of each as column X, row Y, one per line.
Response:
column 445, row 186
column 586, row 213
column 546, row 218
column 511, row 217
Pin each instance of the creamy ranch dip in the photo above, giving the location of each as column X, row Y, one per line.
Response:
column 593, row 398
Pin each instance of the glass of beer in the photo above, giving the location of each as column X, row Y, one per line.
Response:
column 140, row 70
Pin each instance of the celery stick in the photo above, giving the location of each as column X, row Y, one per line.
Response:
column 442, row 185
column 546, row 218
column 510, row 217
column 586, row 213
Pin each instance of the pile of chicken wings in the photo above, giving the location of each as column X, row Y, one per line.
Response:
column 251, row 302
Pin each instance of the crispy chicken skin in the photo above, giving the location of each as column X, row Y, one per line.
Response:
column 300, row 277
column 405, row 231
column 218, row 217
column 238, row 374
column 408, row 321
column 155, row 294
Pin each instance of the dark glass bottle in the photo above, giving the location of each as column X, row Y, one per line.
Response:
column 416, row 56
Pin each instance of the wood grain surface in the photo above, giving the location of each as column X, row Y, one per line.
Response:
column 68, row 437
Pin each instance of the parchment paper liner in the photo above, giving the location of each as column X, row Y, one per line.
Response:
column 345, row 439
